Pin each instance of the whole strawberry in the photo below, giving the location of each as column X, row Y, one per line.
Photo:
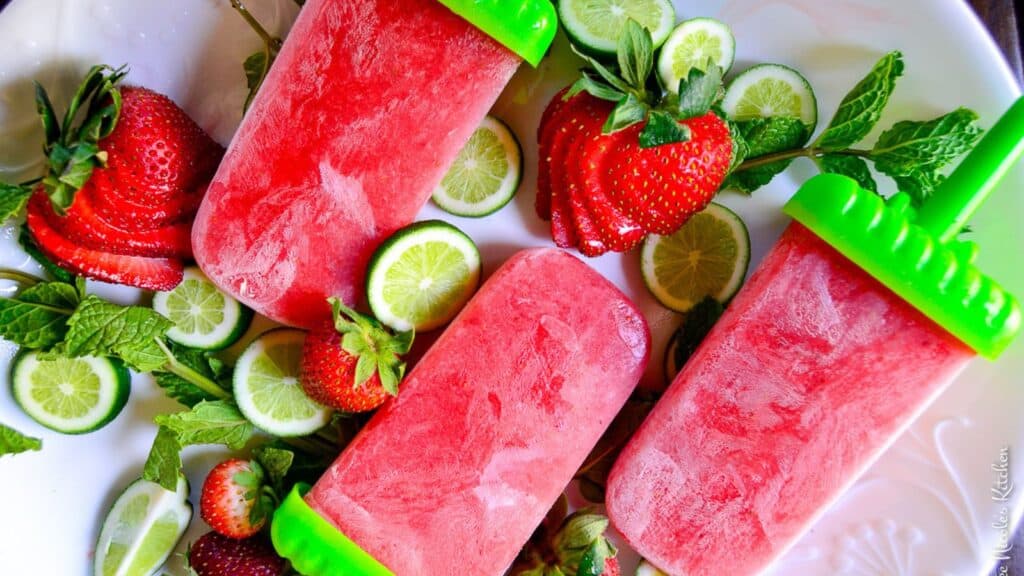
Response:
column 214, row 554
column 236, row 500
column 353, row 364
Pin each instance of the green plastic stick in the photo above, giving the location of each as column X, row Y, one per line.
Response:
column 967, row 188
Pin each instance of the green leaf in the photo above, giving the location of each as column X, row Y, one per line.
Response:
column 13, row 198
column 14, row 442
column 608, row 75
column 366, row 366
column 388, row 378
column 698, row 92
column 695, row 327
column 910, row 147
column 51, row 127
column 163, row 466
column 635, row 54
column 763, row 136
column 851, row 166
column 595, row 87
column 919, row 185
column 276, row 461
column 218, row 422
column 740, row 148
column 661, row 129
column 256, row 67
column 202, row 362
column 38, row 316
column 28, row 244
column 863, row 106
column 100, row 328
column 593, row 561
column 629, row 111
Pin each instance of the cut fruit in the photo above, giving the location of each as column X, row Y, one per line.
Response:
column 769, row 90
column 486, row 173
column 142, row 529
column 691, row 45
column 620, row 232
column 422, row 276
column 708, row 256
column 267, row 390
column 545, row 134
column 647, row 569
column 569, row 177
column 70, row 395
column 203, row 316
column 594, row 26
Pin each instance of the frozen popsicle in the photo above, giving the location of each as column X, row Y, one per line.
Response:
column 858, row 317
column 366, row 106
column 454, row 474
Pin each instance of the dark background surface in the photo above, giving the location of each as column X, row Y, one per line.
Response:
column 1004, row 21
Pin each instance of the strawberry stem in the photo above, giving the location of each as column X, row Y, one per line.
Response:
column 273, row 43
column 174, row 366
column 797, row 153
column 26, row 280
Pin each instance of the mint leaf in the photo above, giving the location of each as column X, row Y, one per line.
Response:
column 14, row 442
column 629, row 111
column 256, row 68
column 909, row 147
column 277, row 462
column 919, row 185
column 635, row 54
column 217, row 422
column 698, row 92
column 863, row 106
column 28, row 244
column 661, row 129
column 202, row 362
column 100, row 328
column 595, row 87
column 38, row 316
column 13, row 198
column 163, row 465
column 740, row 148
column 851, row 166
column 764, row 136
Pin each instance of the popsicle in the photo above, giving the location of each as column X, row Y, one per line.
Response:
column 366, row 106
column 859, row 316
column 454, row 474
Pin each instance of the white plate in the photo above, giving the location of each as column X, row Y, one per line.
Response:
column 924, row 508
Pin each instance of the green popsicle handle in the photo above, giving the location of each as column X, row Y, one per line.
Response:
column 967, row 188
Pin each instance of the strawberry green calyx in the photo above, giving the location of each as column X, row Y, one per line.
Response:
column 377, row 349
column 72, row 149
column 629, row 87
column 573, row 545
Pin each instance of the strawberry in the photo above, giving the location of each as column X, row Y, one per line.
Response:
column 545, row 133
column 214, row 554
column 618, row 231
column 353, row 364
column 236, row 500
column 142, row 272
column 124, row 213
column 572, row 545
column 591, row 116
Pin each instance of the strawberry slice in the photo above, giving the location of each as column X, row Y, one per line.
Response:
column 82, row 225
column 545, row 135
column 147, row 273
column 123, row 213
column 590, row 242
column 563, row 230
column 618, row 231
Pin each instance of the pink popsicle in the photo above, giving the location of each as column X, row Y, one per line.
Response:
column 366, row 106
column 453, row 475
column 804, row 381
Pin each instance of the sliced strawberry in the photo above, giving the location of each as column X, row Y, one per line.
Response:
column 147, row 273
column 84, row 226
column 128, row 215
column 591, row 118
column 563, row 230
column 618, row 231
column 545, row 134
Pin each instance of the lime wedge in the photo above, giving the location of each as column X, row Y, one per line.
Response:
column 422, row 276
column 708, row 256
column 485, row 175
column 267, row 389
column 594, row 26
column 203, row 316
column 141, row 529
column 771, row 90
column 70, row 395
column 693, row 44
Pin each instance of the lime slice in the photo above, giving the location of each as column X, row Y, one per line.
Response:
column 70, row 395
column 692, row 45
column 141, row 529
column 647, row 569
column 422, row 276
column 708, row 256
column 267, row 389
column 771, row 90
column 485, row 175
column 594, row 26
column 203, row 316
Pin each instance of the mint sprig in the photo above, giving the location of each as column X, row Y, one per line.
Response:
column 13, row 199
column 913, row 153
column 258, row 64
column 14, row 442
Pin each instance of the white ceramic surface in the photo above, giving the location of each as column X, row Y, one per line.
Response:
column 926, row 507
